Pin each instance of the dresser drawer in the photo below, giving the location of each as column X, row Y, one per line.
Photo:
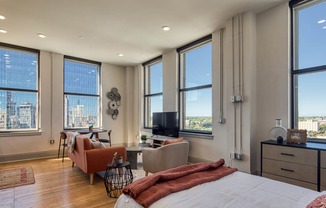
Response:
column 291, row 181
column 291, row 154
column 290, row 170
column 323, row 159
column 322, row 188
column 322, row 176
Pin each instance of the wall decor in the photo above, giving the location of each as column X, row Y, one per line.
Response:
column 115, row 101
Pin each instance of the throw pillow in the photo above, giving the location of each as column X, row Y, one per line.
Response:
column 172, row 141
column 96, row 145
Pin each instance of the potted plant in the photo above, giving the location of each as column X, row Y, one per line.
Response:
column 143, row 138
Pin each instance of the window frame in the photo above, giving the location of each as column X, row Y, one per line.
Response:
column 294, row 68
column 146, row 67
column 37, row 90
column 198, row 43
column 86, row 61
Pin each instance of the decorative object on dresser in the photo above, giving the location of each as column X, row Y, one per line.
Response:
column 299, row 164
column 278, row 132
column 297, row 136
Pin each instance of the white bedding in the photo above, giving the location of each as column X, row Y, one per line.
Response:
column 235, row 190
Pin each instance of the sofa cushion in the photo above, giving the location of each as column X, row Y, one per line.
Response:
column 98, row 144
column 172, row 141
column 87, row 144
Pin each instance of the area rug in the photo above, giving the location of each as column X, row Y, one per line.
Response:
column 16, row 177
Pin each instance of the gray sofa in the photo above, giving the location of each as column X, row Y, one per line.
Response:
column 165, row 157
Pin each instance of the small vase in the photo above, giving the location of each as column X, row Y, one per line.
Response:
column 120, row 160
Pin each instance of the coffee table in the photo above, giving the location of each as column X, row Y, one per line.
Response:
column 132, row 153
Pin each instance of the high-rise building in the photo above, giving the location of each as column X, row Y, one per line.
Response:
column 11, row 111
column 77, row 115
column 3, row 118
column 67, row 113
column 27, row 115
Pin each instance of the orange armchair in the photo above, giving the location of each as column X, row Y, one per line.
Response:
column 92, row 160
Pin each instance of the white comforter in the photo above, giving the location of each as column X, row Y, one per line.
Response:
column 235, row 190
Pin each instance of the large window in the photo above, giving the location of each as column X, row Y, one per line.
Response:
column 196, row 86
column 19, row 88
column 309, row 67
column 153, row 99
column 81, row 93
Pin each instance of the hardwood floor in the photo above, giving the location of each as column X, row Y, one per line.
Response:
column 56, row 184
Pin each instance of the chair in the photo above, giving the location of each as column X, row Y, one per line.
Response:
column 165, row 157
column 107, row 140
column 63, row 137
column 91, row 160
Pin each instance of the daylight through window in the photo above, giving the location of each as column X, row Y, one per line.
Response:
column 309, row 68
column 153, row 96
column 81, row 93
column 19, row 88
column 196, row 86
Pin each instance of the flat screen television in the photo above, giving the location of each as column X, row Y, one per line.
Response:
column 166, row 124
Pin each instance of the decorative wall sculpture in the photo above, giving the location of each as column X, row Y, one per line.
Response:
column 114, row 103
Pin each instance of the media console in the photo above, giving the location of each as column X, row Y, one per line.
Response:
column 158, row 140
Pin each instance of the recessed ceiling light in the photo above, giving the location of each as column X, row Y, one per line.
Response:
column 41, row 35
column 120, row 54
column 3, row 31
column 2, row 17
column 321, row 21
column 166, row 28
column 324, row 27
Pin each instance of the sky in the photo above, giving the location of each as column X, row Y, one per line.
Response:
column 312, row 53
column 198, row 63
column 14, row 76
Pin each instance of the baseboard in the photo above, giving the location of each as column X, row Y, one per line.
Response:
column 28, row 156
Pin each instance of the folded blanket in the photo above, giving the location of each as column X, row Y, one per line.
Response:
column 150, row 189
column 71, row 141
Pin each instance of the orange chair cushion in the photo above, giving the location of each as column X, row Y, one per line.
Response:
column 172, row 141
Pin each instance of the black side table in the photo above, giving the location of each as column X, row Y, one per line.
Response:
column 117, row 176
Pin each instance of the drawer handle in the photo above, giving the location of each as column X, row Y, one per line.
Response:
column 288, row 170
column 287, row 154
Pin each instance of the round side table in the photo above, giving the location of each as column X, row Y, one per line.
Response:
column 117, row 176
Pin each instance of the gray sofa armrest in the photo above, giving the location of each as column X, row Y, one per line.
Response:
column 165, row 157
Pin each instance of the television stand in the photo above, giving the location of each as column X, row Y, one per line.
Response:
column 158, row 140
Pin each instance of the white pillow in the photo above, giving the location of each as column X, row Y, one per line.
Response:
column 96, row 144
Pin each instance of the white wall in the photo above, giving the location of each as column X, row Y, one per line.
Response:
column 265, row 42
column 266, row 93
column 35, row 145
column 273, row 41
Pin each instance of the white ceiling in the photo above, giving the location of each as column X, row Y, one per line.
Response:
column 108, row 27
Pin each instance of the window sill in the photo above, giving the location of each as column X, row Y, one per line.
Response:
column 316, row 140
column 196, row 135
column 23, row 133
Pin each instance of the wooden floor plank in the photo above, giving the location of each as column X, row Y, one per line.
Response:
column 57, row 184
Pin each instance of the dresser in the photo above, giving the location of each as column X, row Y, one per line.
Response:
column 299, row 164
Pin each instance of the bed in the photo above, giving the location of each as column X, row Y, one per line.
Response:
column 235, row 190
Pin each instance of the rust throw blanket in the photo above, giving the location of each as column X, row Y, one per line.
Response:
column 151, row 188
